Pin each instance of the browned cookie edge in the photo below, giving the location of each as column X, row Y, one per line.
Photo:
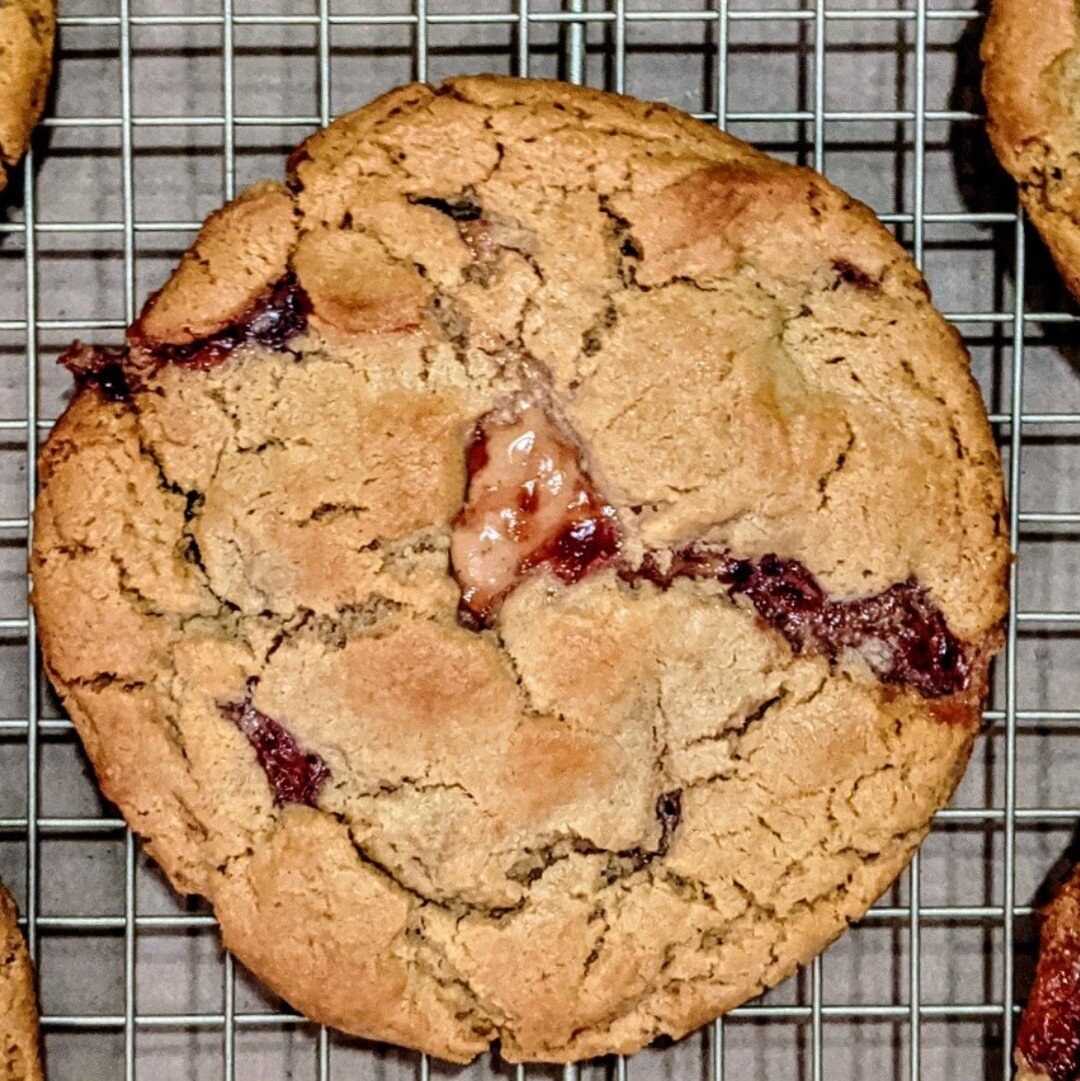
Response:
column 20, row 1045
column 1018, row 48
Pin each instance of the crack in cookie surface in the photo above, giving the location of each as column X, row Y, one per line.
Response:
column 900, row 633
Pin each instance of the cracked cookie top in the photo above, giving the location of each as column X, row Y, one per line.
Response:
column 1031, row 81
column 534, row 571
column 27, row 29
column 19, row 1042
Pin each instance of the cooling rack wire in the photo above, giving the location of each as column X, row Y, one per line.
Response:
column 163, row 111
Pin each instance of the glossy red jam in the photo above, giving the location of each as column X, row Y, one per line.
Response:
column 529, row 506
column 279, row 315
column 295, row 775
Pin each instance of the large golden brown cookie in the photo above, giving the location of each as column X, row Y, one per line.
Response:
column 19, row 1043
column 535, row 572
column 1032, row 87
column 27, row 28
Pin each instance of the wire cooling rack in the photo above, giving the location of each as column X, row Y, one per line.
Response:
column 161, row 112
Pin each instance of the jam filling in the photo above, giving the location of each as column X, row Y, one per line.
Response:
column 104, row 366
column 295, row 775
column 1049, row 1036
column 900, row 632
column 529, row 505
column 276, row 317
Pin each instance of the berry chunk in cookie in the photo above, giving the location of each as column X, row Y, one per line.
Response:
column 530, row 505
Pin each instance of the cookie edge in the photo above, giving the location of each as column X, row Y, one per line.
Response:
column 39, row 67
column 1016, row 51
column 23, row 1026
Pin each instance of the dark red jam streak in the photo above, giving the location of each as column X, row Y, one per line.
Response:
column 582, row 546
column 295, row 775
column 850, row 274
column 103, row 365
column 277, row 316
column 476, row 453
column 1049, row 1037
column 113, row 382
column 899, row 631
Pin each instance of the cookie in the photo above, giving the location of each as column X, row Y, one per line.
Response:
column 27, row 29
column 19, row 1041
column 534, row 571
column 1031, row 82
column 1048, row 1043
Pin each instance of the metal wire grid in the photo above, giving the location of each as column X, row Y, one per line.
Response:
column 576, row 20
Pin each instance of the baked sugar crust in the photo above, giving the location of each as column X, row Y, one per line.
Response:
column 613, row 781
column 27, row 29
column 20, row 1056
column 1031, row 82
